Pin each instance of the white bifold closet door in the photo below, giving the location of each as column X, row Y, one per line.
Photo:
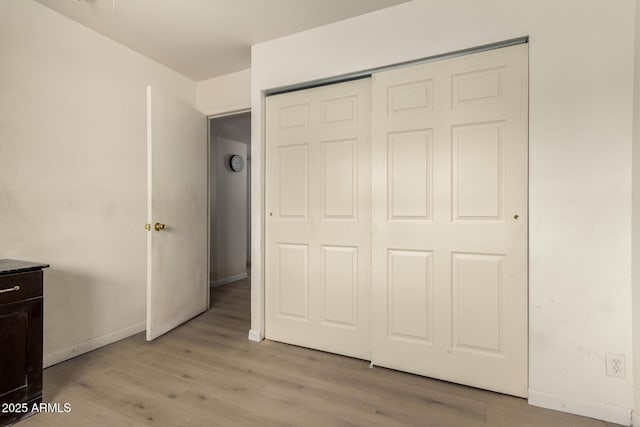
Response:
column 318, row 222
column 450, row 219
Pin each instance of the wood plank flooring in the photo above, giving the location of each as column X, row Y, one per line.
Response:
column 206, row 373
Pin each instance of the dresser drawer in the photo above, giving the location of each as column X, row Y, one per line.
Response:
column 16, row 287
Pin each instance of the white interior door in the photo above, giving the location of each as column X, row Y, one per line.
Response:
column 450, row 219
column 177, row 256
column 318, row 222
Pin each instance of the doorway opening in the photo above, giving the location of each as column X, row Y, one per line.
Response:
column 230, row 201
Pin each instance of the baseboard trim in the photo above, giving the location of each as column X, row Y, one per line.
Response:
column 255, row 335
column 600, row 411
column 92, row 344
column 635, row 419
column 229, row 279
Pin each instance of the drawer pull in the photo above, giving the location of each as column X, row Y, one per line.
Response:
column 15, row 288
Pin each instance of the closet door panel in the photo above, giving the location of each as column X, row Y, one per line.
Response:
column 318, row 222
column 450, row 219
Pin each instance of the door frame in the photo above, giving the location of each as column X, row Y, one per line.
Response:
column 210, row 176
column 258, row 189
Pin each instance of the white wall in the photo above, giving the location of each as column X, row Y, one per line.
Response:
column 229, row 208
column 231, row 92
column 636, row 223
column 73, row 171
column 581, row 101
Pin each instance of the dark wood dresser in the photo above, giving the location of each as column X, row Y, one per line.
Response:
column 20, row 338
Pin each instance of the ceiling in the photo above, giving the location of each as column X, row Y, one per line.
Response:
column 206, row 38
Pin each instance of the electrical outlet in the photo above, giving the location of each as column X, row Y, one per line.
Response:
column 615, row 365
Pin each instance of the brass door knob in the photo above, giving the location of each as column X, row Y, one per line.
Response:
column 147, row 227
column 516, row 216
column 159, row 226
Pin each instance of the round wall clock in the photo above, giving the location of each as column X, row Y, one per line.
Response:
column 236, row 163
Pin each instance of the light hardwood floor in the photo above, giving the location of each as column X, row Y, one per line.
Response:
column 206, row 373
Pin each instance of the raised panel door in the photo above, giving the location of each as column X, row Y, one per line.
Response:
column 449, row 245
column 318, row 222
